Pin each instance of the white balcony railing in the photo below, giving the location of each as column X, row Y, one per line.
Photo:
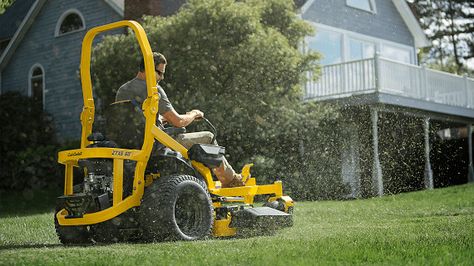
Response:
column 383, row 75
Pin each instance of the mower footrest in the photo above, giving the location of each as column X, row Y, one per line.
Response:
column 76, row 205
column 261, row 217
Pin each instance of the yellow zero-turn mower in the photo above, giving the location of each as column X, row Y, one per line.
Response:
column 139, row 183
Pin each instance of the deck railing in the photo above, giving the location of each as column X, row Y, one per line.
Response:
column 387, row 76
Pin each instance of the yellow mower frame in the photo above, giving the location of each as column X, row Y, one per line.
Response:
column 150, row 110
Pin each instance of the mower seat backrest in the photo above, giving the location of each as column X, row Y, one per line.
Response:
column 125, row 124
column 99, row 141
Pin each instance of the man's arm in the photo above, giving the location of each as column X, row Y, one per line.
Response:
column 178, row 120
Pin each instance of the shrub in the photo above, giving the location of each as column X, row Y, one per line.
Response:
column 28, row 146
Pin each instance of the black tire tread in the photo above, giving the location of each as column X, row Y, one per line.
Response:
column 157, row 209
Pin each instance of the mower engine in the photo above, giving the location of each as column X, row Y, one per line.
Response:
column 98, row 177
column 96, row 192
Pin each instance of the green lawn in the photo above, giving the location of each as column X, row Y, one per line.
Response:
column 428, row 227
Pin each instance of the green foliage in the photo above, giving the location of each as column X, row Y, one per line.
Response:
column 305, row 154
column 27, row 144
column 423, row 228
column 449, row 65
column 28, row 201
column 4, row 4
column 449, row 25
column 401, row 152
column 238, row 62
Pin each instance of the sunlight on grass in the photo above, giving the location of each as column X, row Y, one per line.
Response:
column 426, row 227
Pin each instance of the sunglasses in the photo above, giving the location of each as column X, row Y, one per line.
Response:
column 160, row 73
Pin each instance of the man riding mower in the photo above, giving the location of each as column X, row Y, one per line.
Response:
column 135, row 91
column 138, row 183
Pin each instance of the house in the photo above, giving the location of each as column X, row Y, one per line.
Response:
column 370, row 68
column 42, row 58
column 40, row 49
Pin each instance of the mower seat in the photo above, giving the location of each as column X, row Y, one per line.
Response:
column 98, row 140
column 125, row 124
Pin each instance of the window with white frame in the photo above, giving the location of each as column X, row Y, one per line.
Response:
column 70, row 21
column 337, row 46
column 359, row 49
column 367, row 5
column 36, row 84
column 329, row 44
column 395, row 53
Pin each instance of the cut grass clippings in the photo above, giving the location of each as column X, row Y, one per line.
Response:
column 433, row 227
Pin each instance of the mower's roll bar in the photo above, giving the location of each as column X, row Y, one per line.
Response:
column 150, row 109
column 87, row 116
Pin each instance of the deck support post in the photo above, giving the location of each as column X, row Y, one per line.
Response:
column 377, row 180
column 470, row 175
column 355, row 158
column 428, row 170
column 377, row 71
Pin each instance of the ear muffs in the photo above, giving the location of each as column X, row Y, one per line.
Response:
column 157, row 57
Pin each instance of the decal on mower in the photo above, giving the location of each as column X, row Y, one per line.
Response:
column 75, row 153
column 122, row 153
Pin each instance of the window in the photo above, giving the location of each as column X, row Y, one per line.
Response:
column 329, row 44
column 337, row 46
column 360, row 49
column 367, row 5
column 396, row 53
column 36, row 85
column 70, row 21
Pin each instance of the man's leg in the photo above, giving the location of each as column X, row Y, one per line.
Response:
column 225, row 173
column 189, row 139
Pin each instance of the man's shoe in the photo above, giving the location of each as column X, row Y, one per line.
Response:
column 235, row 182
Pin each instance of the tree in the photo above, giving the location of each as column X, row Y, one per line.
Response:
column 27, row 144
column 4, row 4
column 449, row 25
column 239, row 62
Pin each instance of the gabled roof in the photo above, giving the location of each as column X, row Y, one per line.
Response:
column 117, row 5
column 12, row 18
column 413, row 26
column 299, row 3
column 20, row 32
column 35, row 8
column 405, row 12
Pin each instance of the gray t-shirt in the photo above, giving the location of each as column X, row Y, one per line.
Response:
column 136, row 89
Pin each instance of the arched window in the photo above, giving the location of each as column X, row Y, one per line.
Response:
column 70, row 21
column 36, row 84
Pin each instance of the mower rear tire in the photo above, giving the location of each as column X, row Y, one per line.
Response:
column 177, row 207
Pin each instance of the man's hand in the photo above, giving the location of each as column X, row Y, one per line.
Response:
column 197, row 113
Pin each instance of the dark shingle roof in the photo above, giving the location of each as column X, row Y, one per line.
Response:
column 299, row 3
column 12, row 18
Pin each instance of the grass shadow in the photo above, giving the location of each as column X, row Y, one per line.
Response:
column 29, row 246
